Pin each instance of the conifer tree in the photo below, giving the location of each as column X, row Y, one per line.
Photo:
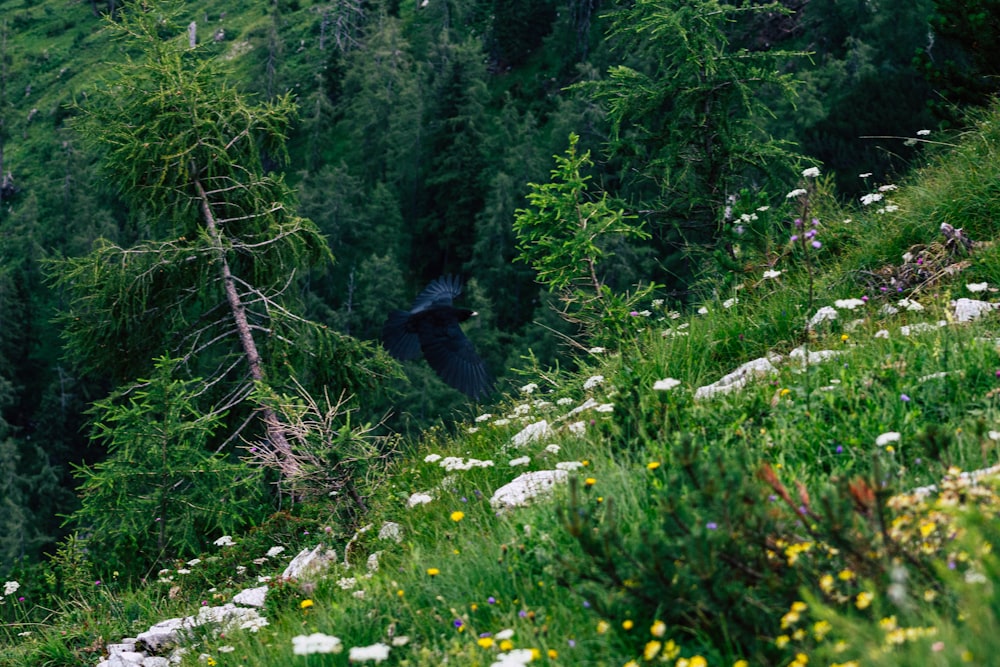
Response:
column 213, row 281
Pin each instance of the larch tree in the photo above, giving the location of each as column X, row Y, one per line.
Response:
column 214, row 281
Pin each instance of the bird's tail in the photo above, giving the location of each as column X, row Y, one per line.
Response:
column 400, row 343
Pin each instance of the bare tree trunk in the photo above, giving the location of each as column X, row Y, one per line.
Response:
column 275, row 428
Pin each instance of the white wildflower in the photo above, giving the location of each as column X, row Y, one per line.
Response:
column 869, row 199
column 224, row 541
column 577, row 429
column 605, row 407
column 811, row 172
column 888, row 188
column 886, row 438
column 977, row 287
column 798, row 192
column 593, row 381
column 484, row 417
column 274, row 551
column 666, row 384
column 994, row 435
column 194, row 561
column 358, row 595
column 419, row 499
column 183, row 570
column 316, row 643
column 729, row 303
column 520, row 411
column 504, row 634
column 703, row 311
column 520, row 461
column 848, row 304
column 519, row 657
column 923, row 133
column 401, row 640
column 501, row 422
column 347, row 583
column 10, row 587
column 596, row 350
column 568, row 465
column 529, row 388
column 771, row 273
column 867, row 174
column 554, row 448
column 226, row 649
column 391, row 530
column 255, row 623
column 375, row 652
column 565, row 400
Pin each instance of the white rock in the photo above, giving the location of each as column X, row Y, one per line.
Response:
column 162, row 634
column 531, row 433
column 526, row 487
column 967, row 310
column 815, row 356
column 738, row 378
column 309, row 562
column 122, row 647
column 156, row 661
column 251, row 597
column 824, row 314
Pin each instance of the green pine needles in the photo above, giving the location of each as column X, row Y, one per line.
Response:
column 162, row 492
column 565, row 237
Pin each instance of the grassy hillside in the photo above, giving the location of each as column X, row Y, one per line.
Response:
column 772, row 522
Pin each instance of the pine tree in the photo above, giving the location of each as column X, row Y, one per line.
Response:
column 212, row 281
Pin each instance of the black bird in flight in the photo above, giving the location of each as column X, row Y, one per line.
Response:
column 431, row 327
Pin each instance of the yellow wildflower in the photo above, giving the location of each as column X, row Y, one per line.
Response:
column 698, row 661
column 457, row 516
column 782, row 641
column 485, row 642
column 506, row 644
column 433, row 571
column 652, row 465
column 590, row 481
column 845, row 575
column 305, row 604
column 553, row 654
column 670, row 650
column 602, row 627
column 627, row 624
column 820, row 629
column 863, row 600
column 741, row 663
column 658, row 629
column 826, row 583
column 651, row 650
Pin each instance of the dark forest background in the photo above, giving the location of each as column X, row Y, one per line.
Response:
column 420, row 126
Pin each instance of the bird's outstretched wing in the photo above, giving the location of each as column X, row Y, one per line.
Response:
column 454, row 359
column 401, row 343
column 438, row 293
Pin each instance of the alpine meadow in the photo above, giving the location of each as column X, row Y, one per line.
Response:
column 700, row 367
